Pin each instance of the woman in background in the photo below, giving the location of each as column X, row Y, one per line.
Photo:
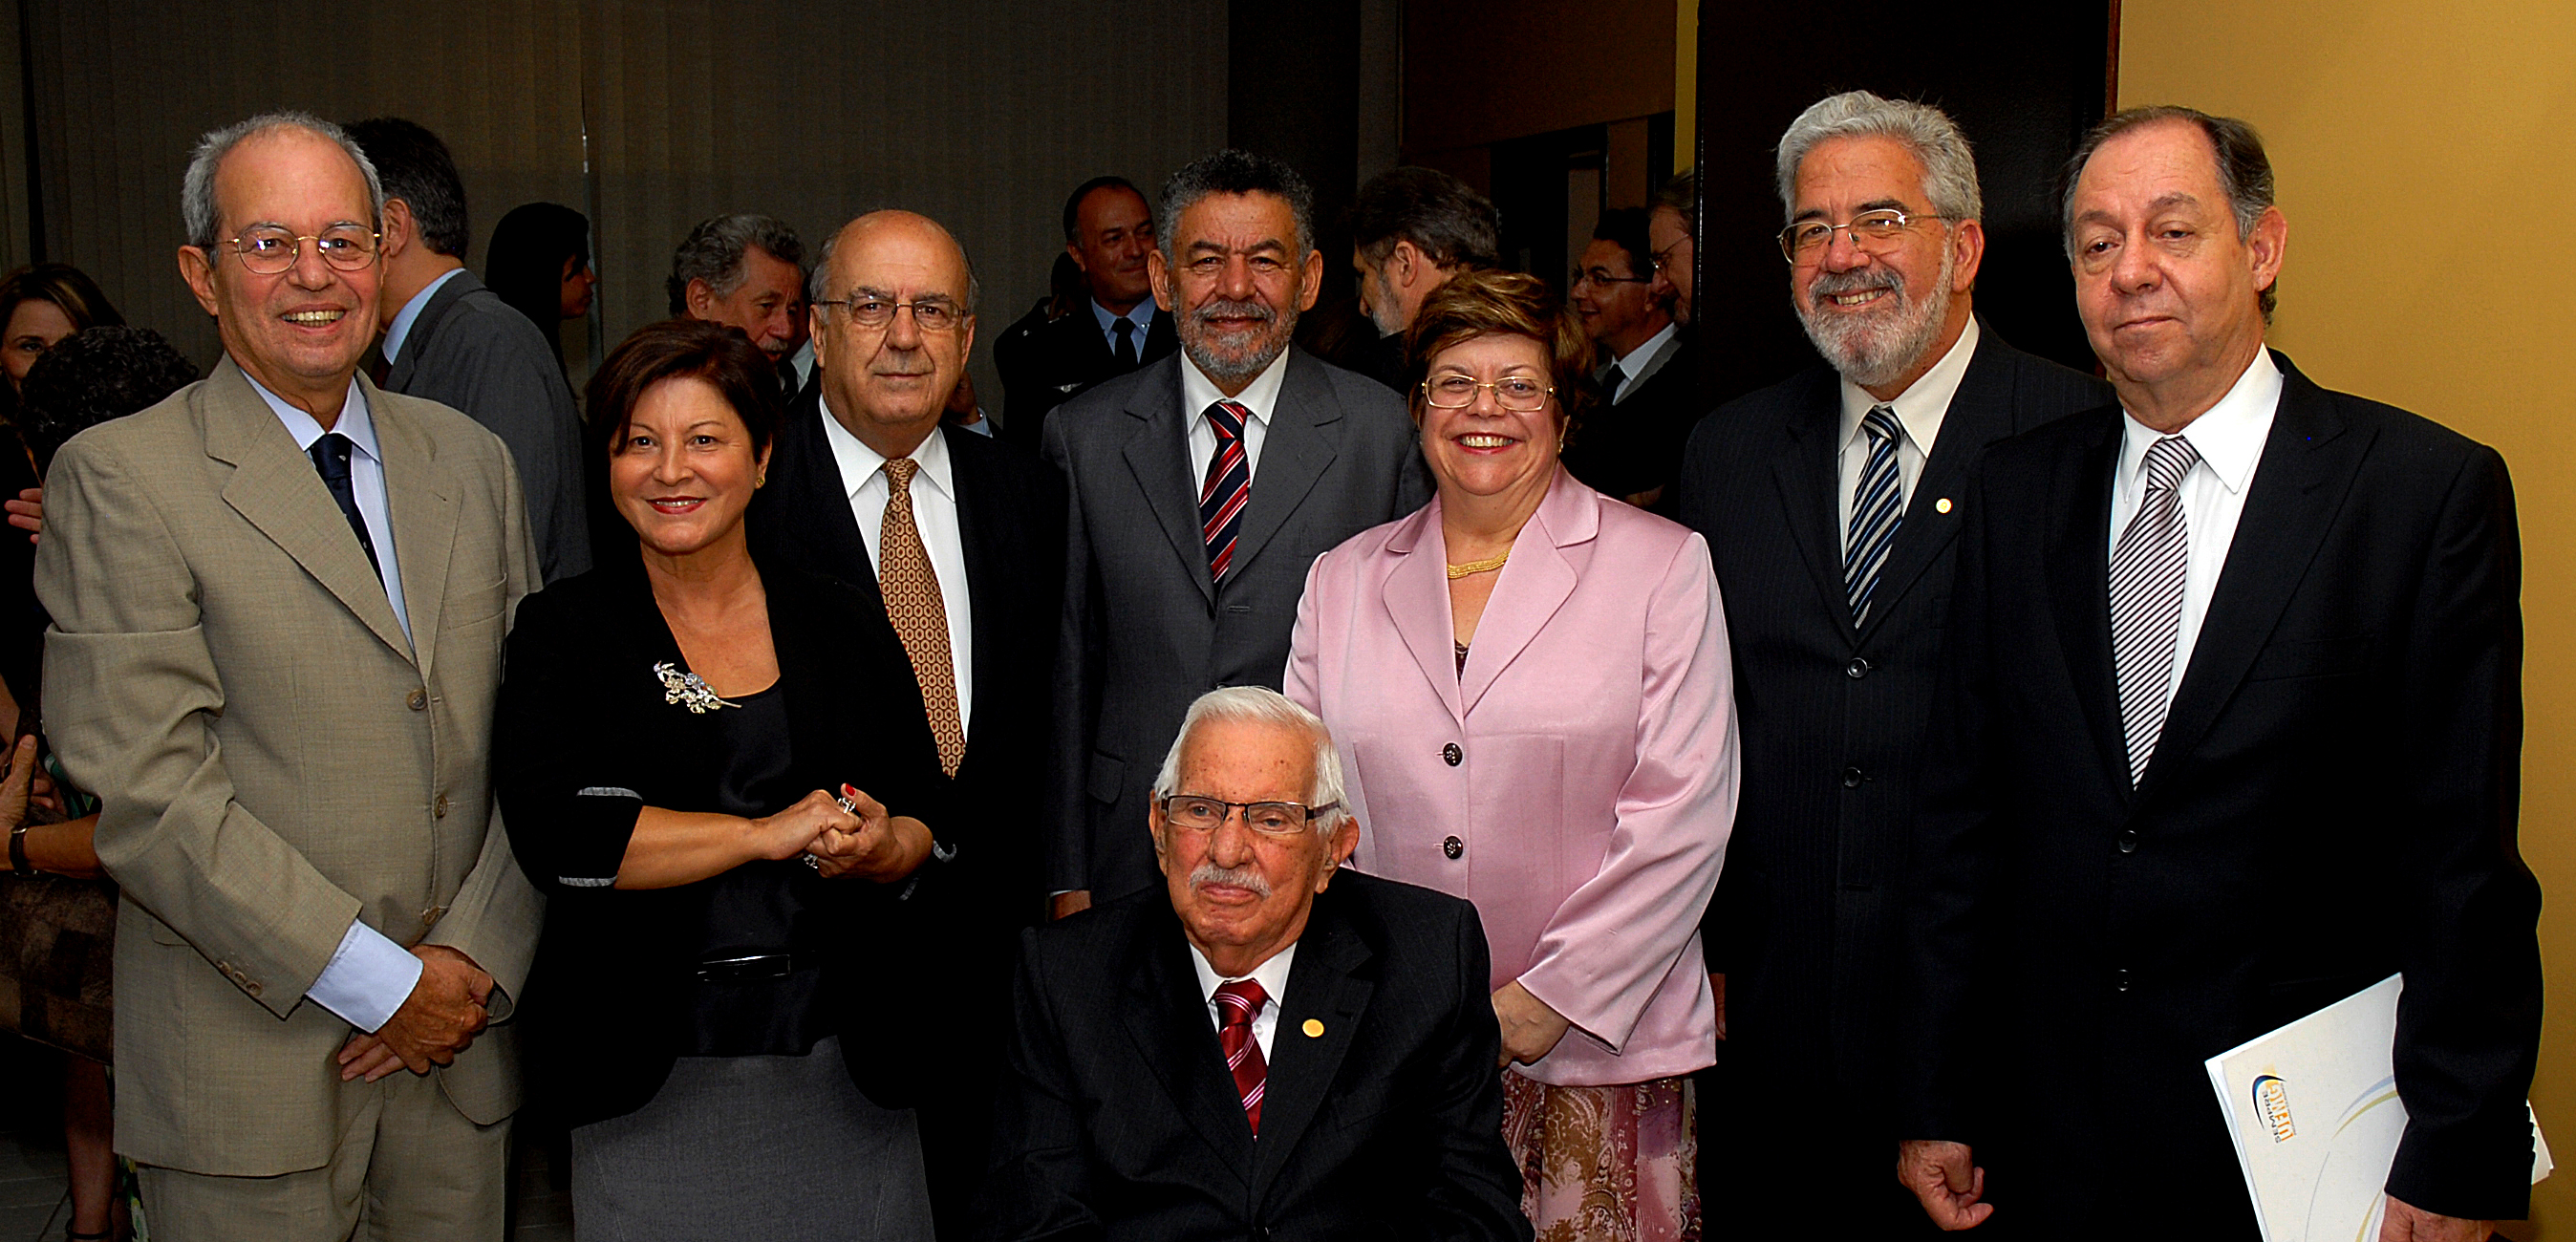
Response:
column 539, row 262
column 39, row 306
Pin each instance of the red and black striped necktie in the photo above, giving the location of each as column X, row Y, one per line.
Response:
column 1237, row 1003
column 1228, row 487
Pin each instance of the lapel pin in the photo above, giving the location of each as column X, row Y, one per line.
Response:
column 1942, row 505
column 1314, row 1029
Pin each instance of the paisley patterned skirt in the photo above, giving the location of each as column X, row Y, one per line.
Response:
column 1606, row 1164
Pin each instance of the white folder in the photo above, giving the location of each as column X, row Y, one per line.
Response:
column 2314, row 1112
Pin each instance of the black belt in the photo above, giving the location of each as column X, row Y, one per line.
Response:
column 755, row 966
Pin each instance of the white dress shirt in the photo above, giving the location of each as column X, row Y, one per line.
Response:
column 1641, row 355
column 1919, row 410
column 1272, row 975
column 400, row 329
column 369, row 976
column 1198, row 392
column 934, row 514
column 2229, row 438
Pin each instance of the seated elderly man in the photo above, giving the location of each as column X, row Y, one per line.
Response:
column 1267, row 1047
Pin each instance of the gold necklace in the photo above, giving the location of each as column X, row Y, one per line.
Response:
column 1478, row 567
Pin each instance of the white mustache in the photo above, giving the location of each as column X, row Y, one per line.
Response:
column 1827, row 284
column 1237, row 877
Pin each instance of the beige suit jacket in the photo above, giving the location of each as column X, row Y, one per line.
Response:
column 273, row 758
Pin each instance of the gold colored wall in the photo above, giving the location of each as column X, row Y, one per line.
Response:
column 2426, row 155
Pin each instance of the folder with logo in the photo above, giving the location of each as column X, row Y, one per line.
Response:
column 2313, row 1109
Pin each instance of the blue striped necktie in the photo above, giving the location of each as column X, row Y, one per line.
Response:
column 1878, row 505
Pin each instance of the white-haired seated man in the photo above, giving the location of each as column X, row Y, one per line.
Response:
column 1266, row 1046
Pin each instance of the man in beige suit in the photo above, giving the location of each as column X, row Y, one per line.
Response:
column 278, row 602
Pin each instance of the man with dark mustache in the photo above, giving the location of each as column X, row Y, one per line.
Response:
column 1831, row 502
column 1202, row 489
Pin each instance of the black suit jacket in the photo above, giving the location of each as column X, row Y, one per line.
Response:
column 469, row 350
column 2333, row 799
column 1633, row 447
column 1054, row 361
column 1803, row 919
column 1145, row 629
column 583, row 740
column 1120, row 1118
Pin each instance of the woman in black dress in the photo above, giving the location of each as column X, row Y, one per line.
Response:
column 721, row 775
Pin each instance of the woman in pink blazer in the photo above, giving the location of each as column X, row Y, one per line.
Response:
column 1530, row 687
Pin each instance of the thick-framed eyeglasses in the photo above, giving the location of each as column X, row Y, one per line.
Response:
column 1518, row 393
column 1874, row 231
column 1602, row 276
column 928, row 314
column 269, row 251
column 1276, row 819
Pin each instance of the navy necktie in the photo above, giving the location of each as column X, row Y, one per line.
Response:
column 330, row 456
column 1126, row 350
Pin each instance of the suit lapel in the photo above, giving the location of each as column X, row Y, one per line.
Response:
column 1329, row 984
column 987, row 569
column 1534, row 584
column 2309, row 462
column 275, row 489
column 1167, row 1018
column 2079, row 568
column 1300, row 445
column 1158, row 452
column 1416, row 593
column 826, row 525
column 1808, row 480
column 1980, row 413
column 421, row 499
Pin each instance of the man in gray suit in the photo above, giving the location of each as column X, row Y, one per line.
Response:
column 452, row 341
column 278, row 601
column 1202, row 488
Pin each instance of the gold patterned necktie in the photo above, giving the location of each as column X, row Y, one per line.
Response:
column 920, row 616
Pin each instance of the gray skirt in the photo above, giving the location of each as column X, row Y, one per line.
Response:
column 752, row 1147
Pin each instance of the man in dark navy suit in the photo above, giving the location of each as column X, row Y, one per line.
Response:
column 1108, row 231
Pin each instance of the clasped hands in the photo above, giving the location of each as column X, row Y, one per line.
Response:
column 851, row 835
column 441, row 1017
column 1945, row 1178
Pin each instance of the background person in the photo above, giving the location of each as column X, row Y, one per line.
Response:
column 539, row 264
column 1112, row 328
column 1529, row 682
column 676, row 727
column 40, row 305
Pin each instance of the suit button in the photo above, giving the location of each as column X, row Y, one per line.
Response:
column 1852, row 777
column 1857, row 669
column 1453, row 847
column 2128, row 840
column 438, row 808
column 2120, row 978
column 1451, row 755
column 419, row 701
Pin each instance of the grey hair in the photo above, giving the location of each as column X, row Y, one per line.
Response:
column 197, row 209
column 713, row 252
column 1446, row 219
column 2244, row 171
column 818, row 283
column 1949, row 166
column 1262, row 705
column 1233, row 171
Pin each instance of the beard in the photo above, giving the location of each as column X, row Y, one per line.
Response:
column 1238, row 877
column 1383, row 310
column 1876, row 346
column 1229, row 357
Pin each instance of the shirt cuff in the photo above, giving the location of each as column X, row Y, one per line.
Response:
column 368, row 979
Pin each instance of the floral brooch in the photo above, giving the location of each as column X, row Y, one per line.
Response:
column 687, row 690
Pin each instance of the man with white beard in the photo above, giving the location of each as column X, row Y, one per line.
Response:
column 1831, row 502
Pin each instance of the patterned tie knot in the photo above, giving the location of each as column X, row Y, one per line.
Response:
column 1881, row 424
column 1241, row 1001
column 2169, row 459
column 899, row 470
column 1227, row 417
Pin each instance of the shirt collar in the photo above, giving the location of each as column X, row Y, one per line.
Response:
column 2228, row 436
column 1925, row 402
column 1198, row 392
column 1141, row 315
column 1272, row 975
column 400, row 329
column 354, row 421
column 859, row 463
column 1645, row 352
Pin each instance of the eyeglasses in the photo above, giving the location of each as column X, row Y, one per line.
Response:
column 269, row 251
column 1874, row 231
column 1663, row 258
column 1276, row 819
column 928, row 314
column 1517, row 393
column 1602, row 276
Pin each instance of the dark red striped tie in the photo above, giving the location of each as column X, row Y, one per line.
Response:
column 1228, row 486
column 1236, row 1003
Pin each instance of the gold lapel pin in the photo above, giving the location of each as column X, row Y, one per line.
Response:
column 1942, row 505
column 1314, row 1028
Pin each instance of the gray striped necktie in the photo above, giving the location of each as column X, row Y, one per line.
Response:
column 1878, row 504
column 2146, row 599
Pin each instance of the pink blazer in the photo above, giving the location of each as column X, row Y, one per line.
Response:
column 1584, row 766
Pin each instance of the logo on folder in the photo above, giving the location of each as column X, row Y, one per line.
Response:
column 2272, row 1103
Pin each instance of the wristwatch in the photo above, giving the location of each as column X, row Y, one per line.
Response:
column 18, row 864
